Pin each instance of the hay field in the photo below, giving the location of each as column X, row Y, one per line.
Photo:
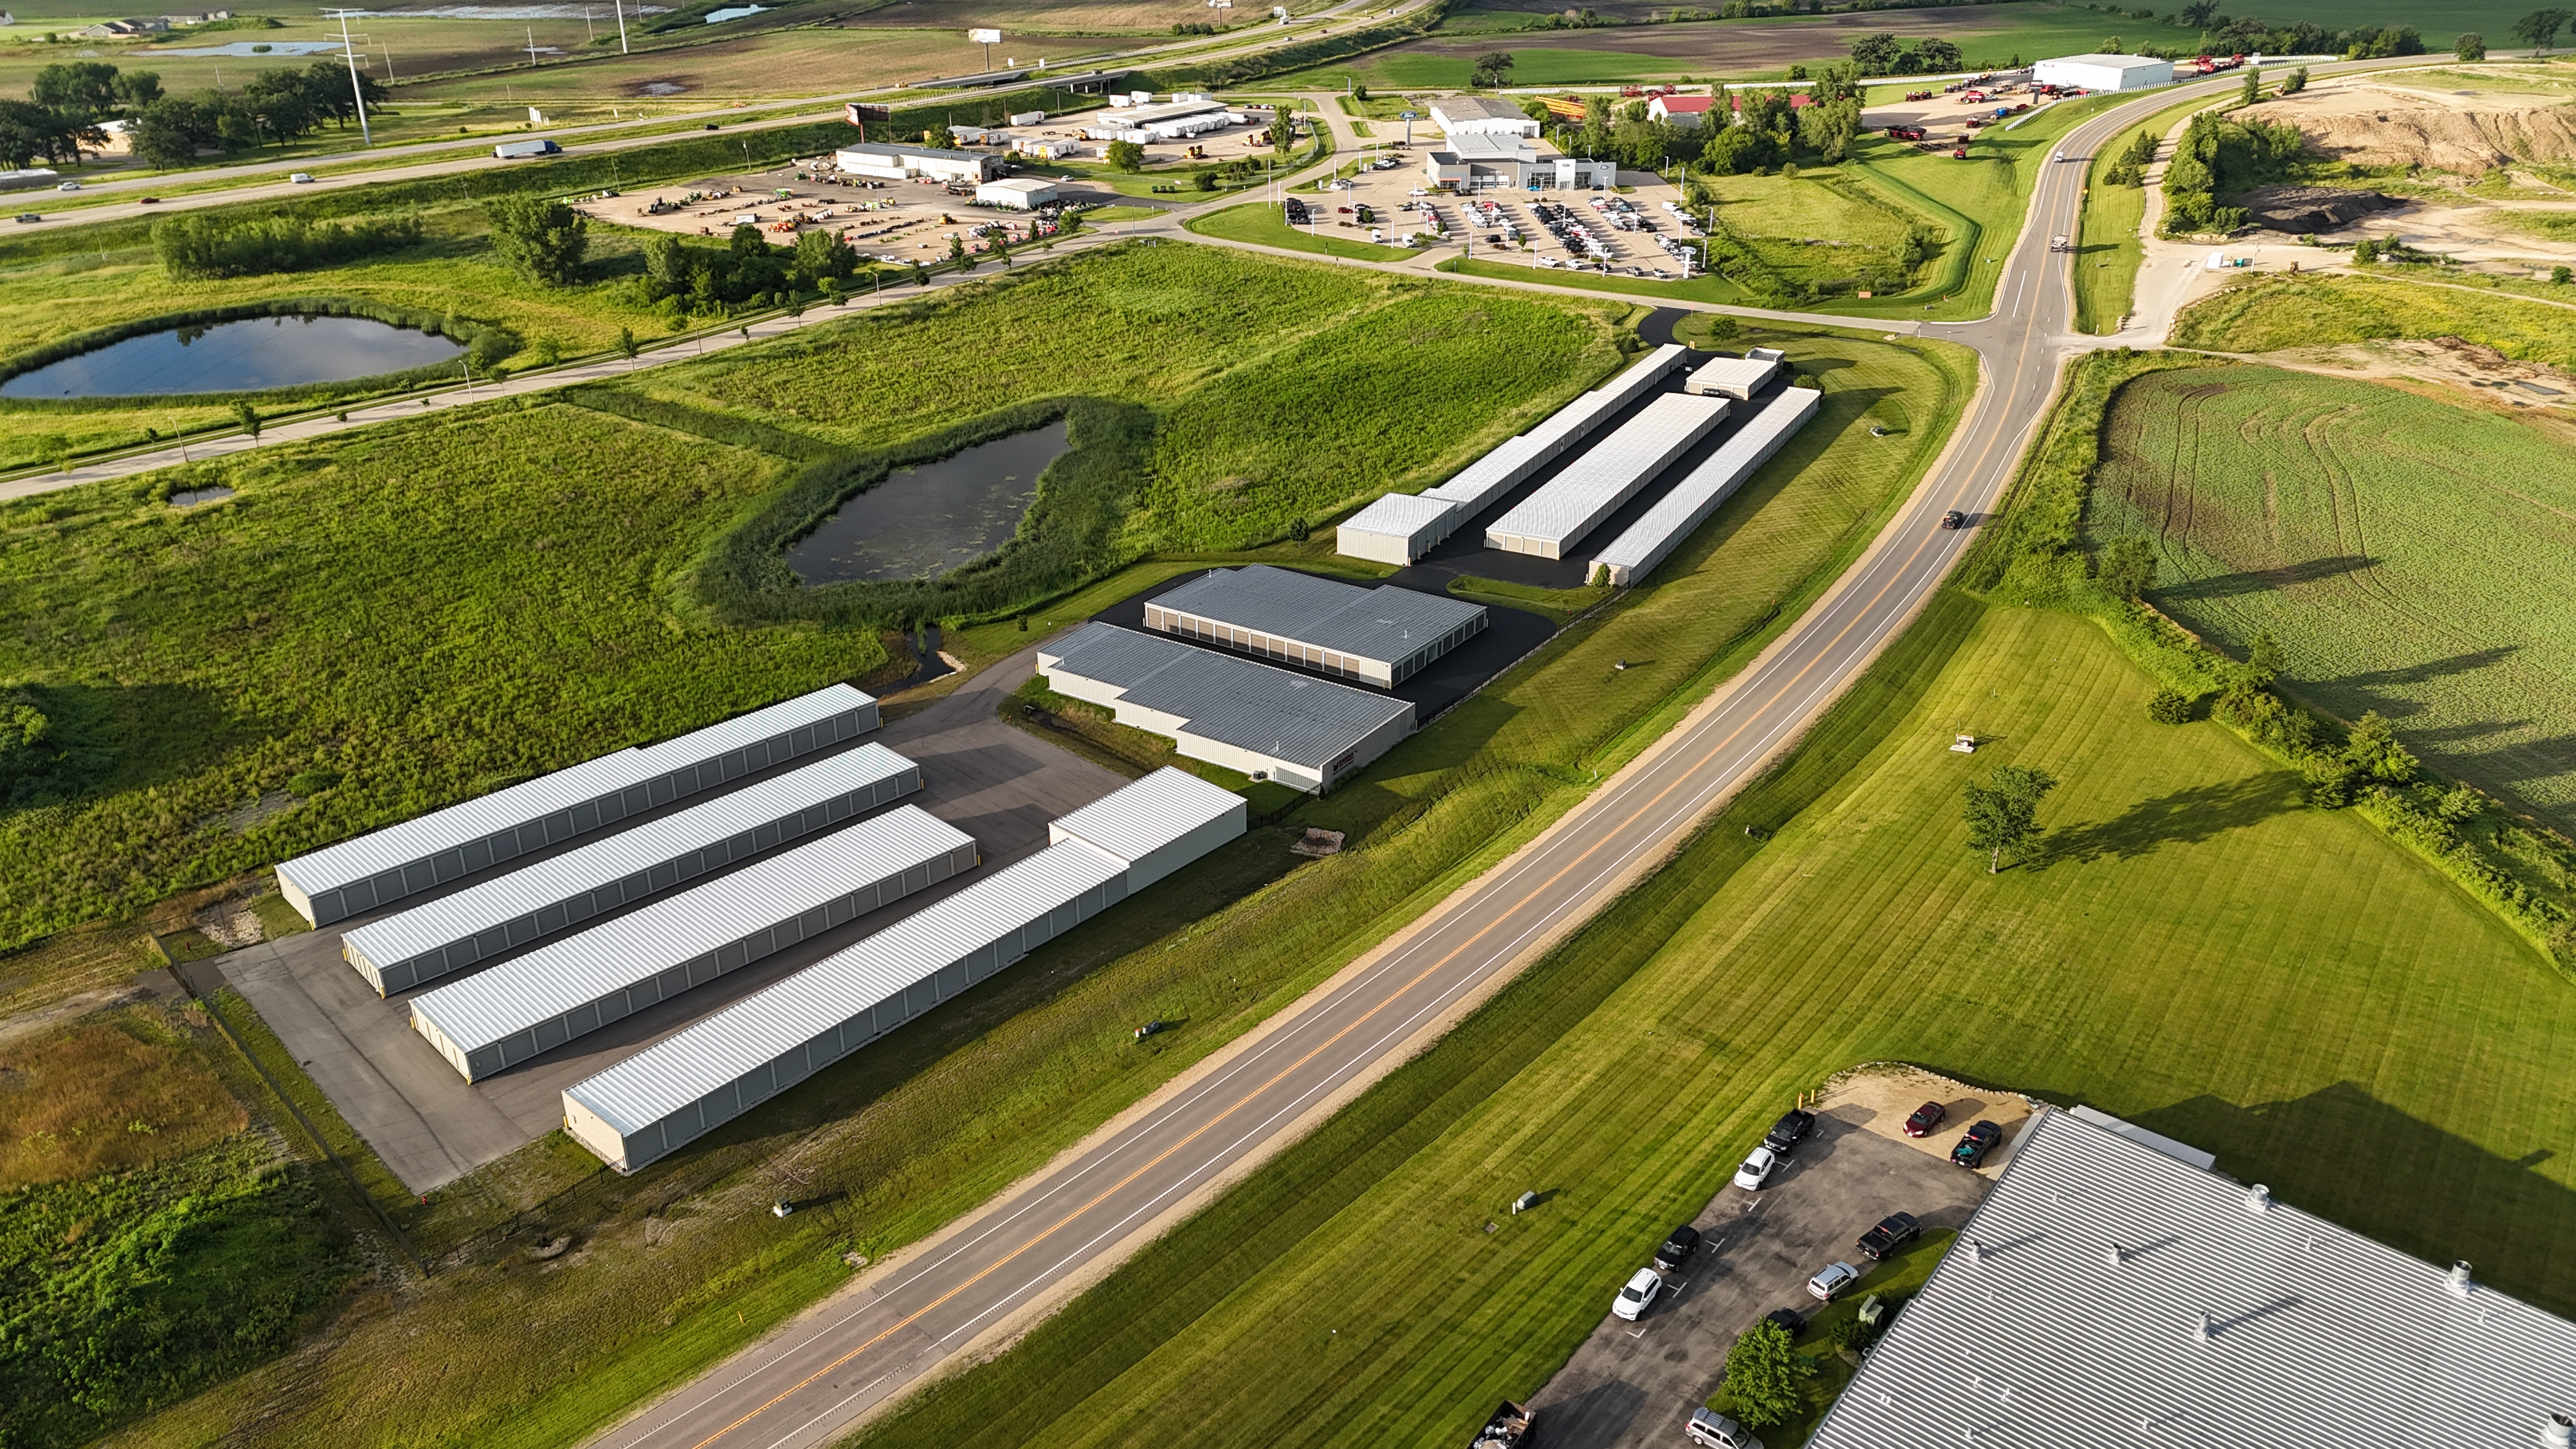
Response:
column 2410, row 554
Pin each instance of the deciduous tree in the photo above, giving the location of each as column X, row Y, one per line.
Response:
column 1763, row 1374
column 2003, row 812
column 541, row 238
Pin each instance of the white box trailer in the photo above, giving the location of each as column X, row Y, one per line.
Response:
column 525, row 1008
column 1687, row 504
column 481, row 922
column 381, row 867
column 1551, row 521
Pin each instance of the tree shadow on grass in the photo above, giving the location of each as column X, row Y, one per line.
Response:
column 2185, row 817
column 2264, row 581
column 2430, row 669
column 2346, row 1156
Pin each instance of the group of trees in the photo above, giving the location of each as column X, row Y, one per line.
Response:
column 2539, row 29
column 2219, row 34
column 69, row 101
column 704, row 279
column 2223, row 158
column 1884, row 54
column 1770, row 129
column 197, row 246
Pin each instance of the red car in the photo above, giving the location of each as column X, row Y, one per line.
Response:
column 1925, row 1118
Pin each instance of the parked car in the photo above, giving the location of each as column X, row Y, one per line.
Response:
column 1954, row 519
column 1972, row 1149
column 1789, row 1131
column 1834, row 1280
column 1893, row 1232
column 1757, row 1169
column 1633, row 1300
column 1790, row 1320
column 1678, row 1246
column 1156, row 1027
column 1713, row 1430
column 1925, row 1118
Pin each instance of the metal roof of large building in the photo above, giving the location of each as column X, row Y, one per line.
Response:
column 1271, row 712
column 680, row 1069
column 1517, row 458
column 2117, row 1298
column 1592, row 487
column 553, row 979
column 1139, row 819
column 1386, row 623
column 1456, row 110
column 505, row 898
column 1688, row 503
column 424, row 835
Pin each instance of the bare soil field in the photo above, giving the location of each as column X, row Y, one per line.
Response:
column 1736, row 44
column 2471, row 130
column 1053, row 17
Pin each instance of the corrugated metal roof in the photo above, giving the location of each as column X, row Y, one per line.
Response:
column 421, row 836
column 684, row 1067
column 1732, row 375
column 1254, row 707
column 1687, row 504
column 2314, row 1335
column 1504, row 468
column 1136, row 820
column 1398, row 515
column 1387, row 623
column 506, row 898
column 1593, row 487
column 553, row 979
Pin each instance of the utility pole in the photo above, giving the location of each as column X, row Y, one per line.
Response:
column 532, row 47
column 589, row 29
column 357, row 95
column 621, row 27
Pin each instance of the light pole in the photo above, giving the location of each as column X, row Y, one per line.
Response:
column 621, row 27
column 357, row 96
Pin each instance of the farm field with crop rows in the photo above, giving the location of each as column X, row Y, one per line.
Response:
column 2409, row 555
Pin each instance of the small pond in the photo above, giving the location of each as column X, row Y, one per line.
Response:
column 925, row 521
column 244, row 356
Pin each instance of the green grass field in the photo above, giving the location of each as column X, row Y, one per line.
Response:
column 1817, row 227
column 2169, row 960
column 928, row 1123
column 2109, row 247
column 2269, row 314
column 1259, row 221
column 2404, row 550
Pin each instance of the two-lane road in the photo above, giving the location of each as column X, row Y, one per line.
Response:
column 807, row 1383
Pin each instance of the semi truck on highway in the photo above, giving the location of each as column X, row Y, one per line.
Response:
column 523, row 150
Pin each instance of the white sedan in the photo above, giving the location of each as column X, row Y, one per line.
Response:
column 1757, row 1169
column 1633, row 1300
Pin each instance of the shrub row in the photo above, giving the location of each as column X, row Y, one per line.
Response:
column 205, row 246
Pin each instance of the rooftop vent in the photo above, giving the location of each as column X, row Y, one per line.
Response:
column 1976, row 1252
column 2115, row 1255
column 2202, row 1330
column 2559, row 1432
column 2258, row 1199
column 2459, row 1283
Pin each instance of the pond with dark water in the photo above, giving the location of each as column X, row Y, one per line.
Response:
column 244, row 356
column 922, row 522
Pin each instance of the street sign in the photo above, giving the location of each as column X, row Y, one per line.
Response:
column 984, row 37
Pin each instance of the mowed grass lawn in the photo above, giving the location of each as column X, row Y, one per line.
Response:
column 1259, row 221
column 2409, row 554
column 2272, row 313
column 2197, row 952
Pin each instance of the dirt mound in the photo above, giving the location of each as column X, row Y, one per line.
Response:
column 2309, row 209
column 2392, row 126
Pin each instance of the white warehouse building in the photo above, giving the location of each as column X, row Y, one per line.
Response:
column 1579, row 499
column 1268, row 723
column 2104, row 72
column 381, row 867
column 527, row 1007
column 695, row 1080
column 1481, row 116
column 1383, row 635
column 1018, row 193
column 444, row 936
column 902, row 163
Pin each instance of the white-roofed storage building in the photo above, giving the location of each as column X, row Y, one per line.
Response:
column 381, row 867
column 653, row 1102
column 483, row 921
column 1551, row 521
column 1383, row 635
column 2104, row 72
column 1268, row 723
column 1157, row 825
column 529, row 1006
column 1687, row 504
column 1736, row 377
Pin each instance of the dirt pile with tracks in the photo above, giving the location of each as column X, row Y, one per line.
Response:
column 2471, row 133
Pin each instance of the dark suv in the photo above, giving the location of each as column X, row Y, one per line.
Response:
column 1789, row 1131
column 1677, row 1248
column 1893, row 1232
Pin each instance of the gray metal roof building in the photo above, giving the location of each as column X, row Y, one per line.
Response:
column 695, row 1080
column 1551, row 521
column 383, row 866
column 486, row 920
column 1157, row 825
column 529, row 1006
column 1382, row 635
column 2107, row 1296
column 1401, row 527
column 1687, row 504
column 1265, row 722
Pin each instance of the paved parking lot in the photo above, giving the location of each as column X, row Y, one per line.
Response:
column 1635, row 1383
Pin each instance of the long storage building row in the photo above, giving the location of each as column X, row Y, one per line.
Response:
column 1551, row 521
column 653, row 1102
column 529, row 1006
column 1687, row 504
column 482, row 921
column 1401, row 527
column 384, row 866
column 1383, row 635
